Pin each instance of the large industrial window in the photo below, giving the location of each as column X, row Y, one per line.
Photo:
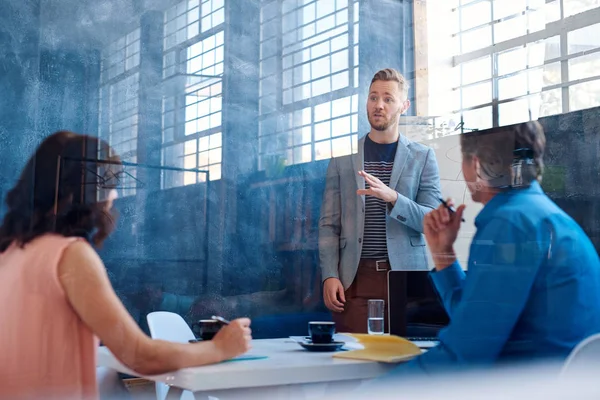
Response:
column 513, row 61
column 308, row 80
column 118, row 111
column 193, row 70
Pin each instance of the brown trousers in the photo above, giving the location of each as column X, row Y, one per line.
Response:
column 371, row 282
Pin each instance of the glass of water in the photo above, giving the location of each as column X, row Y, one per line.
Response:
column 375, row 323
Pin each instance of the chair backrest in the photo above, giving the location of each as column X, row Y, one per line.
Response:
column 172, row 327
column 584, row 355
column 169, row 326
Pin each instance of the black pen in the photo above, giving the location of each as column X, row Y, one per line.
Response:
column 450, row 208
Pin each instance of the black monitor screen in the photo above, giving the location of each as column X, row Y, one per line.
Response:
column 415, row 309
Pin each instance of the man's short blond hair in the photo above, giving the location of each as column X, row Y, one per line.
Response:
column 390, row 74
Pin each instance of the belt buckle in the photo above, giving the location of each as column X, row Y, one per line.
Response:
column 377, row 265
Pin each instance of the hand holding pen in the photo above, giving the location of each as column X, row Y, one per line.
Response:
column 449, row 208
column 441, row 228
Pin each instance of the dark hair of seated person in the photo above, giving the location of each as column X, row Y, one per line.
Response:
column 57, row 192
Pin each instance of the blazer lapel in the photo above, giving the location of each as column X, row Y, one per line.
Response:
column 399, row 161
column 358, row 163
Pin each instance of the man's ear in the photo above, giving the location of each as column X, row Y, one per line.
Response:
column 405, row 106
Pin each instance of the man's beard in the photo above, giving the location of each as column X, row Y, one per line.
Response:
column 382, row 126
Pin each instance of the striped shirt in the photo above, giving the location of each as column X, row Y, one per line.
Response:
column 379, row 161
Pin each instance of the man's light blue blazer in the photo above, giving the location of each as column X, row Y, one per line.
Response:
column 415, row 176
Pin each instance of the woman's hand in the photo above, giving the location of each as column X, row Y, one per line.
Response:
column 233, row 339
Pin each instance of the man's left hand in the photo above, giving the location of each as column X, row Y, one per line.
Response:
column 377, row 189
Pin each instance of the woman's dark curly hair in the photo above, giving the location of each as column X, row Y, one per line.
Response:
column 58, row 191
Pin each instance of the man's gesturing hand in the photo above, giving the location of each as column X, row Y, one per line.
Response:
column 377, row 189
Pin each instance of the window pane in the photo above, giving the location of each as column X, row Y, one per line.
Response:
column 480, row 118
column 340, row 127
column 477, row 70
column 584, row 95
column 512, row 60
column 513, row 86
column 189, row 162
column 503, row 8
column 514, row 112
column 551, row 102
column 215, row 172
column 190, row 146
column 476, row 39
column 573, row 7
column 584, row 66
column 552, row 49
column 474, row 95
column 584, row 39
column 475, row 15
column 302, row 154
column 536, row 16
column 322, row 130
column 339, row 81
column 552, row 74
column 340, row 107
column 323, row 111
column 216, row 140
column 509, row 29
column 341, row 146
column 323, row 150
column 552, row 11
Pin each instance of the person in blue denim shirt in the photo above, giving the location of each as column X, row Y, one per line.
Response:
column 532, row 290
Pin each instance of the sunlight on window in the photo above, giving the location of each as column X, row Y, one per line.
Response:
column 118, row 102
column 477, row 70
column 319, row 56
column 503, row 9
column 204, row 154
column 584, row 39
column 192, row 119
column 509, row 29
column 584, row 95
column 517, row 82
column 573, row 7
column 477, row 14
column 514, row 112
column 187, row 19
column 476, row 39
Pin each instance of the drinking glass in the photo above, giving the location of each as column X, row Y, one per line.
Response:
column 375, row 322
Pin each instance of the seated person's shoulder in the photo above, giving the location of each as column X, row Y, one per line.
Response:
column 79, row 255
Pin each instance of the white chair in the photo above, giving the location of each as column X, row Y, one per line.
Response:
column 584, row 356
column 172, row 327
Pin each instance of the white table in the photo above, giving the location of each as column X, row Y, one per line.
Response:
column 288, row 372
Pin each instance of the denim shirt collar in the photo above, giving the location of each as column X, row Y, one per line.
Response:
column 489, row 210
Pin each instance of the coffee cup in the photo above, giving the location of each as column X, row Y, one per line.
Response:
column 321, row 331
column 206, row 328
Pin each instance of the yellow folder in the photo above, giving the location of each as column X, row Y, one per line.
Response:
column 382, row 348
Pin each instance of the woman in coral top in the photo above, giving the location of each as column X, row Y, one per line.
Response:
column 56, row 297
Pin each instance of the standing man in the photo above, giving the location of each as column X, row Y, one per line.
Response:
column 373, row 208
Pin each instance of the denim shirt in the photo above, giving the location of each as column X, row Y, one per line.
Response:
column 532, row 290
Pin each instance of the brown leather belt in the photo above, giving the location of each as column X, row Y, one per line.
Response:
column 377, row 265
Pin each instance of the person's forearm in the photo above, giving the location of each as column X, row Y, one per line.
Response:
column 443, row 259
column 160, row 356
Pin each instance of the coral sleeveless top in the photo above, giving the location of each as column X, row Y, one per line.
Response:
column 46, row 351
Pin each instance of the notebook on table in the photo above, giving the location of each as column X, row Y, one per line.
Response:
column 381, row 348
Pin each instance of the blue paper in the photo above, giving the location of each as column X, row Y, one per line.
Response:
column 247, row 357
